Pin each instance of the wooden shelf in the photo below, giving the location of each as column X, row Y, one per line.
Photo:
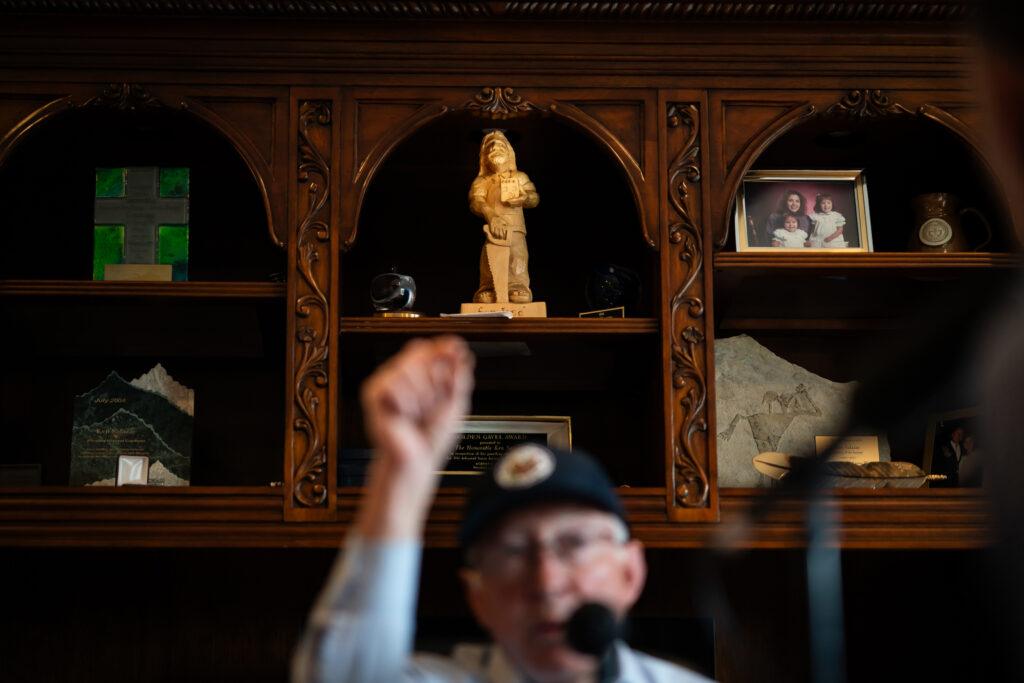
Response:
column 498, row 326
column 884, row 519
column 184, row 290
column 54, row 516
column 861, row 260
column 253, row 517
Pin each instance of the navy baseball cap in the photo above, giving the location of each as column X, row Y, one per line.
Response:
column 530, row 474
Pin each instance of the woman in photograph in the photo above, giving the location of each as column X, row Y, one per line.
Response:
column 791, row 203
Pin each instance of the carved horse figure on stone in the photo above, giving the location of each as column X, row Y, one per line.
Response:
column 767, row 428
column 785, row 400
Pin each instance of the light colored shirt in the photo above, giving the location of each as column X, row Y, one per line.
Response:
column 789, row 239
column 825, row 225
column 361, row 631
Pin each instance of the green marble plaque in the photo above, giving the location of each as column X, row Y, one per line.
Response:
column 108, row 247
column 172, row 250
column 110, row 182
column 174, row 182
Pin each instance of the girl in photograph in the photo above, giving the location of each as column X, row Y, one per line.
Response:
column 828, row 224
column 791, row 203
column 790, row 235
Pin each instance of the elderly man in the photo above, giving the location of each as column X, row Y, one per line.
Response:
column 543, row 535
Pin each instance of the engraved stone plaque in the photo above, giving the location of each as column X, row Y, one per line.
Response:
column 150, row 417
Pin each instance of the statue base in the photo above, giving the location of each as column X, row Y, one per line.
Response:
column 144, row 272
column 396, row 314
column 536, row 309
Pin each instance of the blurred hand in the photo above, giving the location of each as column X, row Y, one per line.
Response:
column 413, row 403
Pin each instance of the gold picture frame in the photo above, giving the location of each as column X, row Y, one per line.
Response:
column 496, row 433
column 765, row 202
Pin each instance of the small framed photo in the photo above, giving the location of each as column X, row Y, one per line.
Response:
column 953, row 448
column 803, row 212
column 132, row 470
column 485, row 438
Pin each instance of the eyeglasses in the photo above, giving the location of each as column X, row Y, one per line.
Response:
column 512, row 557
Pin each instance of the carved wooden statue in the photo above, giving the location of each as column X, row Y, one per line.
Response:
column 498, row 195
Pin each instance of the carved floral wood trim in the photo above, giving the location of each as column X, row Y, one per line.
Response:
column 866, row 104
column 793, row 10
column 311, row 306
column 638, row 10
column 689, row 387
column 125, row 97
column 499, row 103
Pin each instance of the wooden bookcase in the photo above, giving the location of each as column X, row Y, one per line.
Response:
column 333, row 141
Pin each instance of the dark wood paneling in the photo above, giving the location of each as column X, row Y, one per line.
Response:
column 213, row 517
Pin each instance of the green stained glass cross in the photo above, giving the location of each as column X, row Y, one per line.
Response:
column 141, row 217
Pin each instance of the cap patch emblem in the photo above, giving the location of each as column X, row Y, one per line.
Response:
column 523, row 466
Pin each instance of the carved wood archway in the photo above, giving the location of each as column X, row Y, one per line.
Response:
column 133, row 97
column 862, row 105
column 408, row 114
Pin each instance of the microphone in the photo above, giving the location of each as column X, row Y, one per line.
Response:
column 591, row 630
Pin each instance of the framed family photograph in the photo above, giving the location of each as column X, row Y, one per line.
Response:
column 803, row 212
column 953, row 448
column 485, row 438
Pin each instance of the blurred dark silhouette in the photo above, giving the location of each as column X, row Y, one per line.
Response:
column 999, row 370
